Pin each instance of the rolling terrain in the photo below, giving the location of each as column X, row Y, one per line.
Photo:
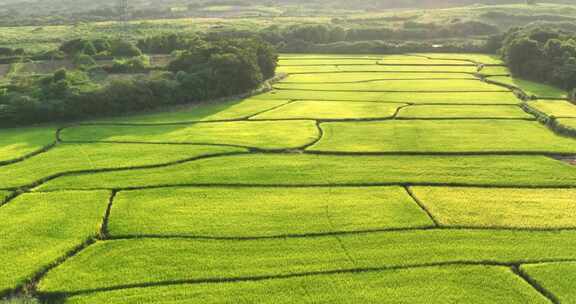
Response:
column 423, row 178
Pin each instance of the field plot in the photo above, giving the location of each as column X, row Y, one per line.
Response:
column 235, row 109
column 299, row 169
column 495, row 70
column 359, row 179
column 507, row 98
column 463, row 111
column 332, row 110
column 532, row 88
column 139, row 262
column 37, row 229
column 442, row 136
column 558, row 278
column 326, row 61
column 556, row 108
column 258, row 134
column 376, row 68
column 469, row 284
column 81, row 157
column 568, row 122
column 370, row 77
column 511, row 208
column 434, row 85
column 256, row 212
column 478, row 58
column 17, row 143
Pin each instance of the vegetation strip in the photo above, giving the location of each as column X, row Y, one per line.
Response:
column 327, row 211
column 472, row 283
column 148, row 264
column 356, row 271
column 36, row 183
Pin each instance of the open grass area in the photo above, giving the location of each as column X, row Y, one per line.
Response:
column 532, row 88
column 39, row 228
column 463, row 111
column 479, row 58
column 235, row 109
column 361, row 77
column 416, row 60
column 509, row 208
column 332, row 110
column 4, row 195
column 398, row 97
column 442, row 136
column 558, row 278
column 327, row 61
column 434, row 85
column 453, row 284
column 149, row 261
column 16, row 143
column 375, row 68
column 259, row 134
column 298, row 169
column 79, row 157
column 256, row 212
column 556, row 108
column 568, row 122
column 495, row 70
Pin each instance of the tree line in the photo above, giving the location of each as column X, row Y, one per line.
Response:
column 544, row 53
column 203, row 68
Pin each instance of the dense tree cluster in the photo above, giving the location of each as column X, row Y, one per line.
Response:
column 323, row 34
column 207, row 69
column 542, row 53
column 100, row 48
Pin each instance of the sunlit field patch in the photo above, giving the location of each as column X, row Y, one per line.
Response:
column 327, row 61
column 568, row 122
column 463, row 111
column 75, row 157
column 469, row 284
column 532, row 88
column 255, row 212
column 558, row 278
column 260, row 134
column 495, row 70
column 298, row 169
column 332, row 110
column 398, row 97
column 479, row 58
column 435, row 85
column 376, row 68
column 237, row 109
column 370, row 77
column 39, row 228
column 508, row 208
column 442, row 136
column 556, row 108
column 16, row 143
column 112, row 264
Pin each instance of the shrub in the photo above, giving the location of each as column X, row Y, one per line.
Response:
column 121, row 48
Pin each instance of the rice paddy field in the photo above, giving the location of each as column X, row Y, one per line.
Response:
column 356, row 179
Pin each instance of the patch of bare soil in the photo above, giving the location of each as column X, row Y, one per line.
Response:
column 571, row 160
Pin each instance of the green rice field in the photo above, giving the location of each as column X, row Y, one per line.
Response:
column 355, row 179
